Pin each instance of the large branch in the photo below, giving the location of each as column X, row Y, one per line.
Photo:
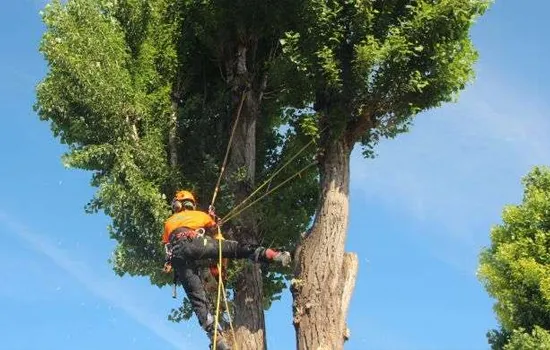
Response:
column 370, row 118
column 357, row 128
column 130, row 118
column 172, row 134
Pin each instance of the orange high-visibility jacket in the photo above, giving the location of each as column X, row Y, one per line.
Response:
column 192, row 219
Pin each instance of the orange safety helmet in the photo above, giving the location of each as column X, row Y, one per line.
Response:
column 179, row 199
column 183, row 195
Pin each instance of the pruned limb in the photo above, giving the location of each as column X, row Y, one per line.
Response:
column 356, row 129
column 350, row 266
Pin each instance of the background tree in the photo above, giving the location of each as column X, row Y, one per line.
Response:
column 140, row 92
column 515, row 268
column 368, row 67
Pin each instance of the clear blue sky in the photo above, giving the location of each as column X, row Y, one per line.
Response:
column 420, row 212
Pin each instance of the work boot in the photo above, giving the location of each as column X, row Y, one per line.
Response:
column 270, row 255
column 283, row 258
column 221, row 341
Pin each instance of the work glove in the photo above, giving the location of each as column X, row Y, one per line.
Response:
column 212, row 213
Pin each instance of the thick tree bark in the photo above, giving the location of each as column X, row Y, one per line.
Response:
column 249, row 314
column 325, row 276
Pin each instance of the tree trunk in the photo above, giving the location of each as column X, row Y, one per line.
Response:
column 249, row 314
column 325, row 276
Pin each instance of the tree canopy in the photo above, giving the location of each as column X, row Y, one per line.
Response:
column 370, row 66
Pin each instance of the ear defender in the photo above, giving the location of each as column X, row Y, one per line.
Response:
column 176, row 206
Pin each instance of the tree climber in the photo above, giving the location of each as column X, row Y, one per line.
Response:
column 188, row 238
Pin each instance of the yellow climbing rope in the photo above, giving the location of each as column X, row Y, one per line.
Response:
column 267, row 181
column 224, row 163
column 233, row 214
column 239, row 209
column 219, row 236
column 218, row 299
column 229, row 315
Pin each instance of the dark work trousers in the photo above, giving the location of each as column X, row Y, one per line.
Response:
column 186, row 256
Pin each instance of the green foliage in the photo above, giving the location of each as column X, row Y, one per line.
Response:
column 378, row 63
column 184, row 312
column 107, row 96
column 515, row 269
column 538, row 339
column 498, row 338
